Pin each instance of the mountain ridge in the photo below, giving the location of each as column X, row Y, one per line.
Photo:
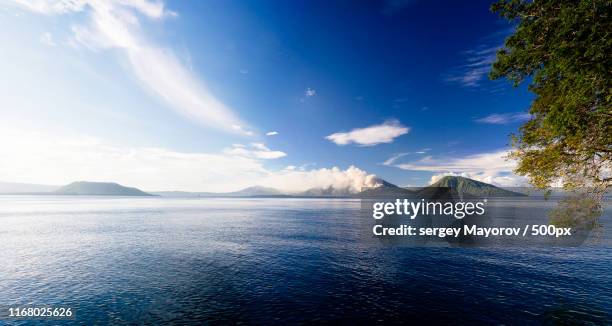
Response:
column 462, row 186
column 89, row 188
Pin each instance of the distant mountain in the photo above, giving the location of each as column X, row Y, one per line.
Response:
column 324, row 192
column 174, row 193
column 467, row 186
column 259, row 191
column 461, row 185
column 99, row 189
column 24, row 188
column 383, row 189
column 254, row 191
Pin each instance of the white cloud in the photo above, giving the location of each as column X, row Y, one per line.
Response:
column 271, row 133
column 153, row 9
column 504, row 118
column 47, row 39
column 310, row 92
column 260, row 146
column 394, row 158
column 493, row 161
column 255, row 150
column 52, row 7
column 391, row 160
column 370, row 136
column 34, row 157
column 423, row 151
column 473, row 72
column 115, row 24
column 492, row 167
column 242, row 130
column 307, row 166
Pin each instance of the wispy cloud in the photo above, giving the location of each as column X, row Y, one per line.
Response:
column 52, row 7
column 491, row 161
column 254, row 150
column 504, row 118
column 370, row 136
column 242, row 130
column 491, row 167
column 271, row 133
column 476, row 67
column 310, row 92
column 391, row 160
column 115, row 24
column 395, row 157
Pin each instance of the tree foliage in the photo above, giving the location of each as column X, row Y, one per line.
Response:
column 563, row 49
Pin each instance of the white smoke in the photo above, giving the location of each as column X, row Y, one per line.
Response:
column 352, row 179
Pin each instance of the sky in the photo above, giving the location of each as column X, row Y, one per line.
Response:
column 221, row 95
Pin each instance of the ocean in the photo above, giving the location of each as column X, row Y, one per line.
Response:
column 126, row 260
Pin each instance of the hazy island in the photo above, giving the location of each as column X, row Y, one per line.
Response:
column 99, row 189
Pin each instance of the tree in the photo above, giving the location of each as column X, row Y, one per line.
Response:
column 563, row 49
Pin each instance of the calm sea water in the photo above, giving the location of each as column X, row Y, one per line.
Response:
column 275, row 261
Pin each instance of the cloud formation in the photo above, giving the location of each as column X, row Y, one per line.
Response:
column 477, row 66
column 271, row 133
column 310, row 92
column 493, row 161
column 115, row 24
column 255, row 150
column 34, row 157
column 391, row 160
column 491, row 167
column 370, row 136
column 504, row 118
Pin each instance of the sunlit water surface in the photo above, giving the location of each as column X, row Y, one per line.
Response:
column 161, row 260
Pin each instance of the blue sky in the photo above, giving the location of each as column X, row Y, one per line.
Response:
column 181, row 94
